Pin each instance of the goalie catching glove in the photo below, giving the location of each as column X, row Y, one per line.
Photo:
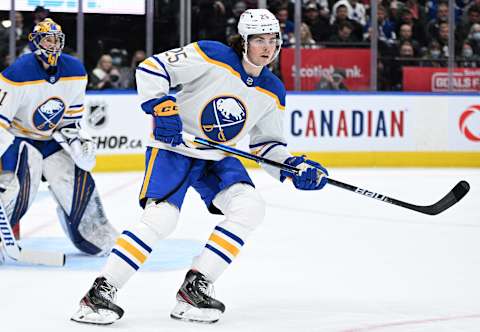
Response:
column 168, row 125
column 312, row 175
column 79, row 145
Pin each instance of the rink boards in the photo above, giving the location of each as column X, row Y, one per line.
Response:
column 340, row 130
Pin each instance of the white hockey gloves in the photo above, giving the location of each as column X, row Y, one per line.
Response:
column 6, row 139
column 79, row 145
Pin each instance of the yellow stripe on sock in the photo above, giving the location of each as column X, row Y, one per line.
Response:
column 224, row 244
column 131, row 249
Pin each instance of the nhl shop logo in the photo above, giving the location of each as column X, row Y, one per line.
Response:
column 96, row 116
column 48, row 115
column 223, row 118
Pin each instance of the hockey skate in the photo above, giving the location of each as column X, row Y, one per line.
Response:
column 194, row 302
column 97, row 306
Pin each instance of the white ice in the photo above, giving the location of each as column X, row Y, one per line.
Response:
column 330, row 261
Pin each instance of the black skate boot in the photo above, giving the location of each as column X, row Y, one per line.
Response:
column 97, row 306
column 194, row 302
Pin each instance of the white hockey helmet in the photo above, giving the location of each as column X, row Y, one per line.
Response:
column 255, row 22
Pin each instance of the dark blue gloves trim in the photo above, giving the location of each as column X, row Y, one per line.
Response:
column 313, row 176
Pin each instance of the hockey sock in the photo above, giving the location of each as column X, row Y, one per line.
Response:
column 135, row 244
column 131, row 250
column 221, row 249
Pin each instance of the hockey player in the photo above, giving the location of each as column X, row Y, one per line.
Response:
column 41, row 96
column 226, row 92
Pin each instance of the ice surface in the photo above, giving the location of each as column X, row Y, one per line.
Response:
column 328, row 261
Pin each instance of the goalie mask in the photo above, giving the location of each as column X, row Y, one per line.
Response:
column 47, row 41
column 255, row 22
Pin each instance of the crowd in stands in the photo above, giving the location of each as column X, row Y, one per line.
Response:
column 410, row 32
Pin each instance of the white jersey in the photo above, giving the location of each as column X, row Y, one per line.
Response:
column 33, row 103
column 218, row 100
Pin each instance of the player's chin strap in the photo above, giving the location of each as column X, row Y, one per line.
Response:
column 451, row 198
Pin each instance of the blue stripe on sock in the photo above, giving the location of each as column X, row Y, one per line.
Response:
column 231, row 235
column 125, row 258
column 219, row 253
column 136, row 239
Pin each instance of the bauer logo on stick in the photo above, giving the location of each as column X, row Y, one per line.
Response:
column 223, row 118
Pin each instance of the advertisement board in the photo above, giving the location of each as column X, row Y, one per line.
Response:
column 324, row 69
column 345, row 129
column 464, row 128
column 117, row 123
column 436, row 79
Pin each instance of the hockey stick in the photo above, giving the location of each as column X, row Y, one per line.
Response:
column 451, row 198
column 14, row 251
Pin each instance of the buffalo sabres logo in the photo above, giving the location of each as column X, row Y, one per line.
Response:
column 223, row 118
column 48, row 115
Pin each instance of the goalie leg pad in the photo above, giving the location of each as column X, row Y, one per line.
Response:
column 79, row 207
column 19, row 179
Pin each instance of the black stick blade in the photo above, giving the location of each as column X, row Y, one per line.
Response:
column 454, row 196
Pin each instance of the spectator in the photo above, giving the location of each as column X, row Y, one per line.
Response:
column 333, row 81
column 306, row 40
column 231, row 26
column 286, row 26
column 209, row 20
column 434, row 56
column 39, row 14
column 341, row 15
column 356, row 11
column 386, row 28
column 138, row 57
column 119, row 61
column 474, row 38
column 443, row 38
column 418, row 30
column 405, row 59
column 405, row 34
column 433, row 26
column 318, row 24
column 105, row 75
column 344, row 35
column 472, row 17
column 21, row 36
column 469, row 59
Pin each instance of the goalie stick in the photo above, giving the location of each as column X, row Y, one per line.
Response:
column 13, row 250
column 451, row 198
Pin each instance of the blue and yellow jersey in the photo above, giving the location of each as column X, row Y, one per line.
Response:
column 217, row 99
column 33, row 104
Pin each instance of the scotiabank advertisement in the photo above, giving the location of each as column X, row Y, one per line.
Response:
column 436, row 79
column 328, row 69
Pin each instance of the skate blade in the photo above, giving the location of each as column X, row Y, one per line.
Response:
column 86, row 315
column 186, row 312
